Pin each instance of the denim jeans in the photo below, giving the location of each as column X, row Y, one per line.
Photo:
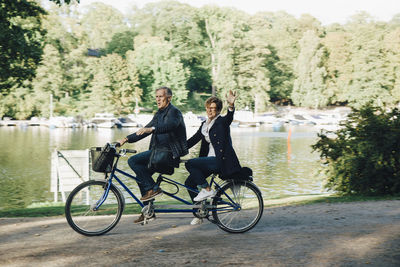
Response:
column 138, row 164
column 199, row 169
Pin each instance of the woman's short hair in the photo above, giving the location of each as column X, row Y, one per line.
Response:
column 216, row 100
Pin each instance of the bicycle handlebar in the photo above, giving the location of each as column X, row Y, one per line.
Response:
column 122, row 151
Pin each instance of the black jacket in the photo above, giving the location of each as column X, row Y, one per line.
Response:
column 220, row 138
column 172, row 124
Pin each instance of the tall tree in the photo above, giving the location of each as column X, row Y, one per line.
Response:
column 218, row 31
column 159, row 66
column 369, row 67
column 102, row 22
column 111, row 88
column 180, row 25
column 309, row 88
column 336, row 42
column 21, row 37
column 49, row 80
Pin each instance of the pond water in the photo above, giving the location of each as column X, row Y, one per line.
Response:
column 280, row 167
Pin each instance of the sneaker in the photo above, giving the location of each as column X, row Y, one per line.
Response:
column 196, row 221
column 140, row 220
column 151, row 194
column 204, row 194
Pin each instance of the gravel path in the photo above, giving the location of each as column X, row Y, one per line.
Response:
column 347, row 234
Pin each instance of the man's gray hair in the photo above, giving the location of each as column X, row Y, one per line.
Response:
column 167, row 90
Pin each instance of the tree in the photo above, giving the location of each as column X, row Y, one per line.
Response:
column 21, row 37
column 111, row 89
column 363, row 156
column 391, row 44
column 48, row 80
column 338, row 68
column 309, row 87
column 110, row 19
column 133, row 74
column 218, row 32
column 121, row 43
column 181, row 26
column 368, row 63
column 159, row 66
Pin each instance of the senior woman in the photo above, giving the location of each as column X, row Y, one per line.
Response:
column 216, row 151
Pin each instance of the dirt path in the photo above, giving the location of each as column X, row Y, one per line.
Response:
column 349, row 234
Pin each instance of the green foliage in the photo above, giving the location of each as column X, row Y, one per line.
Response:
column 159, row 66
column 21, row 36
column 111, row 89
column 309, row 88
column 120, row 43
column 101, row 22
column 266, row 57
column 364, row 155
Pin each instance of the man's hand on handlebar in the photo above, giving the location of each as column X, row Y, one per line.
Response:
column 122, row 142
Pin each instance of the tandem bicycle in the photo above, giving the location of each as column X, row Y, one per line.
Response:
column 95, row 207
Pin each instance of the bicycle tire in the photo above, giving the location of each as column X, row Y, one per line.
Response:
column 238, row 206
column 79, row 208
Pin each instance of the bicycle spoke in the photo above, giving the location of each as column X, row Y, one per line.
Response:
column 246, row 207
column 83, row 213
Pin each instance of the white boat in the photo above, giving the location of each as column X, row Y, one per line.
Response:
column 62, row 122
column 245, row 118
column 105, row 120
column 128, row 122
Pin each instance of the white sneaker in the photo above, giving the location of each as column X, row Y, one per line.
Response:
column 204, row 194
column 196, row 221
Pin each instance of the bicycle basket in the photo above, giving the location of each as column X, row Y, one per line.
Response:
column 102, row 158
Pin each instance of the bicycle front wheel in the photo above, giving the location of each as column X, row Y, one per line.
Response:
column 238, row 206
column 86, row 215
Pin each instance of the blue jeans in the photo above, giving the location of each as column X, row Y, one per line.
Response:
column 138, row 164
column 199, row 169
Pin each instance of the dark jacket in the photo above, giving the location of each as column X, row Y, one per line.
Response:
column 170, row 122
column 220, row 138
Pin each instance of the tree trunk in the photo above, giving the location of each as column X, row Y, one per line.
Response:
column 214, row 68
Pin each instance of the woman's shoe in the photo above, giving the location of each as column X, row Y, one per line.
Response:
column 204, row 194
column 196, row 221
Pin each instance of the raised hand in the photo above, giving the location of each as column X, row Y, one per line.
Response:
column 231, row 97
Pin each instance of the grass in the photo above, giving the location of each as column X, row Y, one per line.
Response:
column 51, row 209
column 57, row 209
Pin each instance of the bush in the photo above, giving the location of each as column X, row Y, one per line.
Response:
column 363, row 156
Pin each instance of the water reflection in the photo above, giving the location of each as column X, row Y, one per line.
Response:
column 280, row 166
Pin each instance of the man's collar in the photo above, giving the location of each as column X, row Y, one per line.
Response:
column 164, row 109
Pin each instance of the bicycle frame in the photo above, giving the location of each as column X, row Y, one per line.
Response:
column 187, row 207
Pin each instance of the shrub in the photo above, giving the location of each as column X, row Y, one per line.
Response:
column 363, row 156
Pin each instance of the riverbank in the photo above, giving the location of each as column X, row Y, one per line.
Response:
column 365, row 233
column 57, row 209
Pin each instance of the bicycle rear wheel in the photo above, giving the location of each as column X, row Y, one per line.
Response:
column 238, row 206
column 83, row 213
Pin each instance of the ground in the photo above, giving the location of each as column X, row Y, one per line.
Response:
column 341, row 234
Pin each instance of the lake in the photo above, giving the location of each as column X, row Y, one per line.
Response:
column 280, row 168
